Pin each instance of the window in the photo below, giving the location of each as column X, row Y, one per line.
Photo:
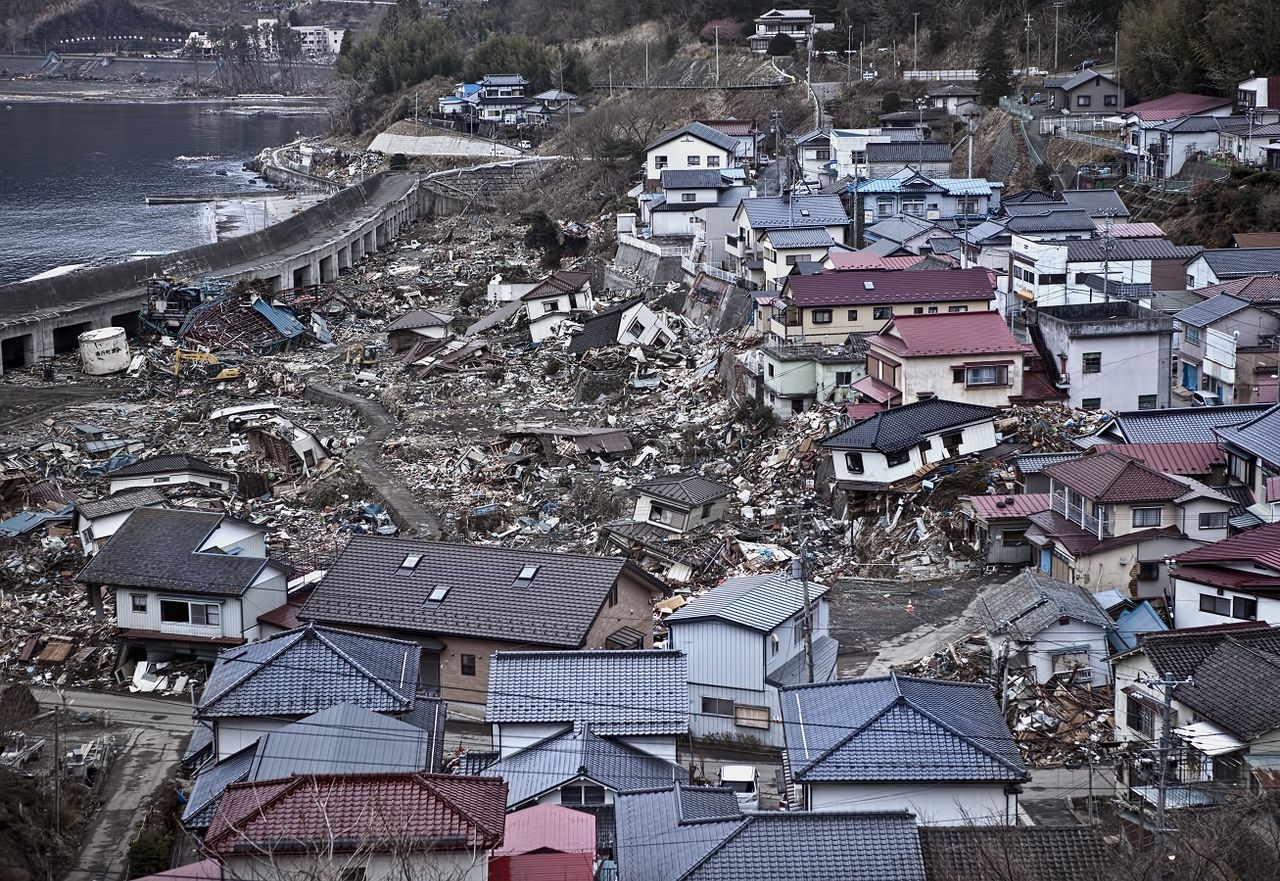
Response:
column 1054, row 278
column 659, row 161
column 706, row 510
column 1014, row 538
column 526, row 576
column 1110, row 100
column 688, row 197
column 1148, row 571
column 214, row 484
column 853, row 315
column 822, row 155
column 1139, row 717
column 957, row 308
column 138, row 602
column 994, row 374
column 611, row 599
column 1146, row 516
column 637, row 329
column 713, row 162
column 844, row 378
column 751, row 717
column 853, row 461
column 967, row 205
column 882, row 313
column 548, row 308
column 775, row 643
column 1091, row 404
column 769, row 369
column 893, row 459
column 858, row 157
column 1091, row 362
column 821, row 316
column 717, row 706
column 953, row 439
column 438, row 593
column 160, row 480
column 582, row 794
column 913, row 205
column 918, row 310
column 661, row 515
column 957, row 374
column 933, row 310
column 1146, row 402
column 1193, row 334
column 694, row 161
column 884, row 206
column 1215, row 605
column 1216, row 520
column 1244, row 607
column 468, row 665
column 182, row 612
column 1084, row 100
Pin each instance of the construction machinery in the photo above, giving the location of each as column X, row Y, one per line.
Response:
column 191, row 363
column 362, row 356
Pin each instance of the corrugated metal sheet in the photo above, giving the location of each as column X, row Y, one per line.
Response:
column 288, row 326
column 760, row 602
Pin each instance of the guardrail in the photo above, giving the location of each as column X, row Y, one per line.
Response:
column 693, row 268
column 1022, row 111
column 650, row 247
column 1082, row 138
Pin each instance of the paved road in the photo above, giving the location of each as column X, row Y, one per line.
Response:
column 826, row 92
column 925, row 640
column 172, row 715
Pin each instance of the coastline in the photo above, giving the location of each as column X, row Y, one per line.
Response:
column 105, row 92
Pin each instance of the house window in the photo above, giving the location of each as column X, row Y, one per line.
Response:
column 1148, row 571
column 213, row 484
column 1193, row 335
column 892, row 459
column 821, row 316
column 967, row 205
column 822, row 155
column 1071, row 660
column 933, row 310
column 1146, row 402
column 468, row 665
column 775, row 643
column 853, row 462
column 918, row 310
column 1215, row 605
column 913, row 205
column 844, row 378
column 853, row 315
column 694, row 161
column 1217, row 520
column 957, row 374
column 182, row 612
column 611, row 599
column 1241, row 469
column 717, row 706
column 884, row 206
column 706, row 510
column 1139, row 717
column 953, row 439
column 1146, row 516
column 661, row 515
column 138, row 602
column 160, row 480
column 637, row 329
column 1110, row 100
column 688, row 197
column 857, row 157
column 548, row 308
column 769, row 369
column 1083, row 100
column 582, row 794
column 1014, row 538
column 882, row 313
column 713, row 162
column 957, row 308
column 1244, row 607
column 659, row 161
column 751, row 717
column 1091, row 362
column 1091, row 404
column 994, row 374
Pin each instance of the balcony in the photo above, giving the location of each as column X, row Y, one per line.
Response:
column 1059, row 504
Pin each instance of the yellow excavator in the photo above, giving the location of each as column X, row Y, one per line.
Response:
column 190, row 363
column 362, row 355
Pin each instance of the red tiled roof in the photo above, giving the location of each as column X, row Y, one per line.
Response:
column 853, row 287
column 1257, row 239
column 1220, row 576
column 205, row 870
column 1136, row 231
column 842, row 261
column 361, row 810
column 958, row 333
column 558, row 282
column 1260, row 545
column 734, row 128
column 1174, row 106
column 1037, row 388
column 858, row 412
column 549, row 827
column 286, row 616
column 878, row 390
column 1007, row 507
column 1110, row 477
column 1254, row 288
column 1186, row 459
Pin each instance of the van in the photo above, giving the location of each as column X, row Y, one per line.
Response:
column 744, row 780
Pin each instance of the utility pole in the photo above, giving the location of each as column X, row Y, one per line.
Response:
column 646, row 61
column 862, row 47
column 915, row 40
column 800, row 565
column 1026, row 52
column 1056, row 7
column 717, row 28
column 1167, row 683
column 848, row 55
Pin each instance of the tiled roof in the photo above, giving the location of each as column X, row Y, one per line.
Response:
column 1257, row 546
column 1208, row 311
column 212, row 782
column 771, row 212
column 1043, row 853
column 601, row 329
column 1237, row 687
column 1190, row 125
column 909, row 181
column 1254, row 288
column 1110, row 477
column 1096, row 250
column 877, row 286
column 1034, row 463
column 737, row 128
column 303, row 671
column 347, row 739
column 549, row 828
column 1259, row 436
column 1144, row 230
column 557, row 283
column 168, row 463
column 158, row 548
column 1027, row 196
column 419, row 318
column 1180, row 652
column 1097, row 203
column 698, row 130
column 687, row 489
column 692, row 178
column 1060, row 220
column 760, row 602
column 900, row 228
column 1030, row 602
column 126, row 500
column 444, row 812
column 897, row 728
column 504, row 79
column 1257, row 239
column 1185, row 459
column 1175, row 105
column 1182, row 425
column 949, row 333
column 799, row 238
column 909, row 153
column 1238, row 262
column 369, row 585
column 286, row 617
column 1050, row 526
column 1077, row 80
column 899, row 428
column 999, row 507
column 579, row 752
column 635, row 692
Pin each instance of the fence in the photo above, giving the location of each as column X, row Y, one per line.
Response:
column 693, row 268
column 1018, row 109
column 652, row 248
column 1051, row 125
column 1081, row 137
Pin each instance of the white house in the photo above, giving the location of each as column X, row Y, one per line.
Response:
column 782, row 249
column 691, row 146
column 628, row 323
column 171, row 470
column 681, row 502
column 761, row 214
column 97, row 521
column 1237, row 579
column 556, row 298
column 1160, row 135
column 798, row 24
column 849, row 150
column 795, row 376
column 940, row 750
column 745, row 639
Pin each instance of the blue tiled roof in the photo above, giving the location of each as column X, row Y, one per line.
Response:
column 1142, row 618
column 1260, row 435
column 1182, row 425
column 210, row 785
column 1208, row 311
column 771, row 212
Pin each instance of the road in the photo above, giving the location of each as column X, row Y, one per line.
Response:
column 926, row 639
column 826, row 92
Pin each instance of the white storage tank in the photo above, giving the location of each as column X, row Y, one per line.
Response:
column 105, row 350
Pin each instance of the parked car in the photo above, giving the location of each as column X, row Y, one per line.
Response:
column 1037, row 98
column 1205, row 399
column 744, row 780
column 1086, row 64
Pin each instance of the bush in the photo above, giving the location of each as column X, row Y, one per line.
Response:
column 149, row 853
column 781, row 44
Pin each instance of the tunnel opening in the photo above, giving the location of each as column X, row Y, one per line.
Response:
column 66, row 339
column 17, row 352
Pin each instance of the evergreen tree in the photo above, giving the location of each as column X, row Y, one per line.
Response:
column 781, row 44
column 995, row 72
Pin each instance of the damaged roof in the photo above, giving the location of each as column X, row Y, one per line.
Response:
column 601, row 330
column 561, row 281
column 686, row 489
column 419, row 318
column 171, row 463
column 900, row 428
column 1031, row 601
column 1043, row 853
column 126, row 500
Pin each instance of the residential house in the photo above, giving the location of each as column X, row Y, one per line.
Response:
column 1028, row 469
column 990, row 853
column 629, row 323
column 171, row 469
column 849, row 149
column 461, row 101
column 687, row 196
column 1088, row 91
column 958, row 99
column 799, row 24
column 782, row 249
column 1103, row 206
column 546, row 841
column 1113, row 522
column 1070, row 268
column 744, row 131
column 185, row 582
column 1047, row 629
column 672, row 526
column 95, row 522
column 703, row 835
column 968, row 357
column 693, row 146
column 1091, row 344
column 290, row 448
column 369, row 826
column 939, row 750
column 554, row 106
column 1253, row 459
column 929, row 159
column 911, row 235
column 894, row 444
column 813, row 153
column 1183, row 425
column 461, row 603
column 1161, row 134
column 1259, row 95
column 829, row 306
column 681, row 502
column 1246, row 140
column 1224, row 342
column 761, row 214
column 556, row 298
column 996, row 525
column 907, row 191
column 745, row 639
column 795, row 376
column 415, row 326
column 1217, row 265
column 1237, row 579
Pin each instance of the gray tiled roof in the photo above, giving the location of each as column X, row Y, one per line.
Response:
column 1182, row 425
column 1030, row 601
column 1077, row 80
column 1060, row 220
column 897, row 728
column 1260, row 435
column 698, row 130
column 909, row 153
column 760, row 602
column 1098, row 203
column 157, row 548
column 644, row 818
column 900, row 228
column 209, row 786
column 687, row 489
column 1239, row 262
column 601, row 330
column 309, row 669
column 771, row 212
column 692, row 178
column 702, row 803
column 902, row 427
column 1043, row 853
column 168, row 463
column 615, row 692
column 1095, row 250
column 1034, row 463
column 345, row 739
column 121, row 501
column 1180, row 652
column 1237, row 687
column 800, row 238
column 1208, row 311
column 580, row 752
column 557, row 608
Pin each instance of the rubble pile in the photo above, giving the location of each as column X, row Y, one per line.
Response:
column 1058, row 722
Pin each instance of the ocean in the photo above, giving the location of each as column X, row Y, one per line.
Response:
column 74, row 176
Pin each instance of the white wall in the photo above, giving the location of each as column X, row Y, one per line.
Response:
column 228, row 618
column 510, row 737
column 233, row 734
column 1058, row 638
column 936, row 375
column 229, row 534
column 460, row 865
column 678, row 153
column 1186, row 605
column 934, row 804
column 719, row 653
column 173, row 479
column 976, row 438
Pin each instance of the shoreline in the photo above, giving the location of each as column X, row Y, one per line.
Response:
column 305, row 103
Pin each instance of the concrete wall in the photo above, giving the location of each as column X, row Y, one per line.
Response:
column 934, row 804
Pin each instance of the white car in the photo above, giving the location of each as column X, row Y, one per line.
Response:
column 744, row 780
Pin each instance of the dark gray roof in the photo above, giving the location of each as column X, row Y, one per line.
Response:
column 1182, row 425
column 580, row 752
column 1208, row 311
column 158, row 548
column 1190, row 125
column 687, row 489
column 800, row 238
column 601, row 330
column 1237, row 687
column 795, row 671
column 780, row 846
column 1043, row 853
column 615, row 692
column 701, row 803
column 1097, row 203
column 1095, row 250
column 368, row 585
column 897, row 728
column 1077, row 80
column 1030, row 601
column 1260, row 435
column 987, row 231
column 692, row 178
column 1057, row 220
column 1239, row 262
column 900, row 228
column 698, row 130
column 126, row 500
column 309, row 669
column 902, row 427
column 169, row 463
column 771, row 212
column 909, row 152
column 419, row 318
column 345, row 739
column 760, row 602
column 1034, row 463
column 209, row 786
